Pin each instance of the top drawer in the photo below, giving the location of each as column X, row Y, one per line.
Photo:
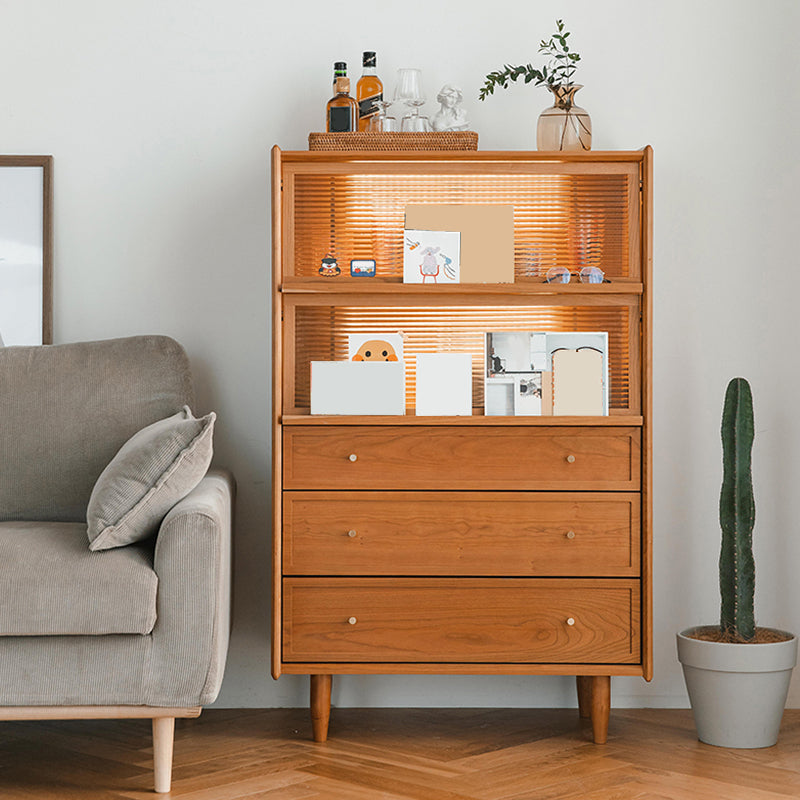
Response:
column 469, row 457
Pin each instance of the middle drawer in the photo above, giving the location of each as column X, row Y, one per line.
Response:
column 461, row 533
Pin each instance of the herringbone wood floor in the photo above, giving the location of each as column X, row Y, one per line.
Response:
column 397, row 754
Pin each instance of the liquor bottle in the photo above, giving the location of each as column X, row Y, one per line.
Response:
column 342, row 110
column 368, row 89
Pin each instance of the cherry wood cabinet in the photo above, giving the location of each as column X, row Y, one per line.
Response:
column 479, row 544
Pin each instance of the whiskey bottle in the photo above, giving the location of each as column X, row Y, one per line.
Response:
column 342, row 110
column 369, row 89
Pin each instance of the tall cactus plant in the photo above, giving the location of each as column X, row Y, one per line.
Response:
column 737, row 515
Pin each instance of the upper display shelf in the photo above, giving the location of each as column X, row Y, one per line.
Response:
column 570, row 212
column 347, row 285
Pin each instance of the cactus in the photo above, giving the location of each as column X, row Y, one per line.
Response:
column 737, row 515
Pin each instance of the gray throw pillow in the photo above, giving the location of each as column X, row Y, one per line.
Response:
column 153, row 470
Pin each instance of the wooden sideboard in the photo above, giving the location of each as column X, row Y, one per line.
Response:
column 471, row 544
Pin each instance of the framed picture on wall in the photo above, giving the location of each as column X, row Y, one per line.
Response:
column 26, row 250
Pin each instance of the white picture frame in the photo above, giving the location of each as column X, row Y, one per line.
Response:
column 366, row 388
column 26, row 252
column 444, row 385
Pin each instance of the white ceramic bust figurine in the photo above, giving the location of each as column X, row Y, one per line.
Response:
column 451, row 116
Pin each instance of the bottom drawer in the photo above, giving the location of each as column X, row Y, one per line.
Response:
column 510, row 620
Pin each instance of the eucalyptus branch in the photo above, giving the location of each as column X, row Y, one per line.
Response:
column 559, row 71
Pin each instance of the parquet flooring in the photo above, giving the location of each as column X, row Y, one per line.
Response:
column 397, row 754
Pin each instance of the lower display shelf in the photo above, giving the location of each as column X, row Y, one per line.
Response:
column 442, row 620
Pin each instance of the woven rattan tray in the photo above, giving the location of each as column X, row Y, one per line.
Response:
column 444, row 140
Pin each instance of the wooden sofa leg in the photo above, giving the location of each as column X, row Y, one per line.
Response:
column 163, row 738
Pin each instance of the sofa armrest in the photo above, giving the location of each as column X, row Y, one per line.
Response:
column 193, row 562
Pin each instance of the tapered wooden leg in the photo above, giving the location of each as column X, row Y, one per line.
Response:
column 320, row 706
column 584, row 696
column 163, row 738
column 601, row 707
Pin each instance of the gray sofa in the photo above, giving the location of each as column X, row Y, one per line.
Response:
column 139, row 630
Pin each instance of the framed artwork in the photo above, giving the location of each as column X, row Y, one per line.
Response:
column 26, row 250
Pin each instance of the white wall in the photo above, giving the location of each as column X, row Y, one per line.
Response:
column 160, row 115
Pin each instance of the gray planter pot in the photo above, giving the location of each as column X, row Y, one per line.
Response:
column 737, row 691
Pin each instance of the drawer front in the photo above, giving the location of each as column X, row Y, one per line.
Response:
column 480, row 457
column 516, row 620
column 461, row 533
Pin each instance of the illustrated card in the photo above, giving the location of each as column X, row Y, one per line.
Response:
column 431, row 257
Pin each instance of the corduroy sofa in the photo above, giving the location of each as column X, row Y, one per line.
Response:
column 136, row 630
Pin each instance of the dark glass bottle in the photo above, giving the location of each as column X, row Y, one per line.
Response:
column 342, row 111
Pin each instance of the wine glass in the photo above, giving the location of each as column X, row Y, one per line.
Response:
column 382, row 122
column 409, row 91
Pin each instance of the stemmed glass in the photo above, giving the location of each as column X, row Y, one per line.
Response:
column 409, row 91
column 382, row 122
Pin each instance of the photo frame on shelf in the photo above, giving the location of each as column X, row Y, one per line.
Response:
column 26, row 250
column 538, row 373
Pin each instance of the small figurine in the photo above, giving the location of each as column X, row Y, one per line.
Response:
column 329, row 268
column 451, row 116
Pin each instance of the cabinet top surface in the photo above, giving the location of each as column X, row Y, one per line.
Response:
column 478, row 156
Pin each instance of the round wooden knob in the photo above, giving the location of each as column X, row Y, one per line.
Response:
column 570, row 459
column 353, row 457
column 352, row 620
column 351, row 534
column 570, row 621
column 570, row 534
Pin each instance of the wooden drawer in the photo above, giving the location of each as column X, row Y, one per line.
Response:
column 461, row 533
column 480, row 457
column 513, row 620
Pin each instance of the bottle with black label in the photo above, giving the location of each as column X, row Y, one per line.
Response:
column 369, row 89
column 342, row 111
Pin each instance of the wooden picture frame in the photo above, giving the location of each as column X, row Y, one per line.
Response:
column 26, row 250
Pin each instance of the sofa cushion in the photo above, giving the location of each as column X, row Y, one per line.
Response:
column 67, row 408
column 153, row 470
column 51, row 584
